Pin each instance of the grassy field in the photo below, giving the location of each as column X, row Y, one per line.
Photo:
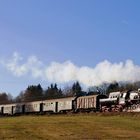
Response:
column 69, row 127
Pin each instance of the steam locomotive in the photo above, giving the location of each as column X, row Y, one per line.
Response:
column 121, row 101
column 116, row 102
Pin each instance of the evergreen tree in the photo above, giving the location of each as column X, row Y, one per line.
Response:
column 53, row 92
column 5, row 98
column 32, row 93
column 76, row 89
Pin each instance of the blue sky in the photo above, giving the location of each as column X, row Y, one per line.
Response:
column 83, row 32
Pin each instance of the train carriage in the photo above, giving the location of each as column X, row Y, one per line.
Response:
column 59, row 105
column 66, row 104
column 8, row 109
column 89, row 103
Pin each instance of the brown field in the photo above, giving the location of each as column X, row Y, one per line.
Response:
column 124, row 126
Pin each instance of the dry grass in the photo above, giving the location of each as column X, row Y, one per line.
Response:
column 62, row 127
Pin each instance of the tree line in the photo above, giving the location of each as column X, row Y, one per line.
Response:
column 36, row 92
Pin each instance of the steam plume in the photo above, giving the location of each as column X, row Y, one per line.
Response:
column 66, row 72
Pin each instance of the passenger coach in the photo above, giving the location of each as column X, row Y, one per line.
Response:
column 62, row 105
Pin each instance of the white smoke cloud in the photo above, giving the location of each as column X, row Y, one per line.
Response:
column 32, row 66
column 67, row 72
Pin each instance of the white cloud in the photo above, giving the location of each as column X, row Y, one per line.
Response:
column 17, row 68
column 66, row 72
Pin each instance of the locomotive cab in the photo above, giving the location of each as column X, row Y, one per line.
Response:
column 112, row 100
column 122, row 98
column 111, row 103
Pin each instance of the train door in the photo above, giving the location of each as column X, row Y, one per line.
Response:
column 56, row 107
column 73, row 105
column 23, row 109
column 12, row 110
column 41, row 107
column 2, row 110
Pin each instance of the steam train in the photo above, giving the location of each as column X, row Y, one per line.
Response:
column 116, row 102
column 63, row 105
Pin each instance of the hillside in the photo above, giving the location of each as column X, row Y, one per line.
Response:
column 83, row 126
